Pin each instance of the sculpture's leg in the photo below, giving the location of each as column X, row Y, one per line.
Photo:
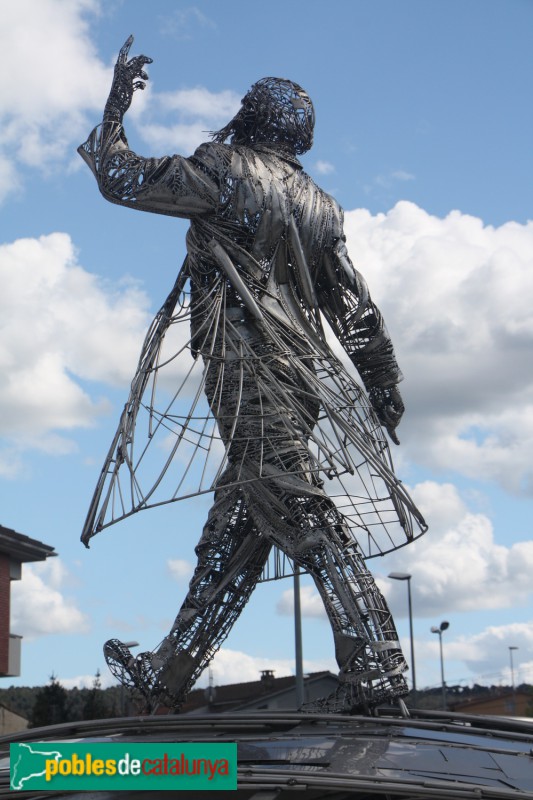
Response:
column 231, row 556
column 291, row 509
column 367, row 649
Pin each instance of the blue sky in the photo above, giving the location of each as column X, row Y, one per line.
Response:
column 424, row 136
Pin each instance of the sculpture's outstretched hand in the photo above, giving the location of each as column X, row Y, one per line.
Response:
column 129, row 76
column 388, row 406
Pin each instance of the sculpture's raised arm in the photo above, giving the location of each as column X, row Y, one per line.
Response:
column 171, row 185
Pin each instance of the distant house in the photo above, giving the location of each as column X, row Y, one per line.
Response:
column 15, row 550
column 504, row 703
column 268, row 693
column 10, row 722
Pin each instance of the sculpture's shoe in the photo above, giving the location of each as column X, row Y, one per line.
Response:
column 352, row 697
column 344, row 700
column 134, row 672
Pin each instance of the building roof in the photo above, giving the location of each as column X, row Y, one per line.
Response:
column 22, row 548
column 236, row 695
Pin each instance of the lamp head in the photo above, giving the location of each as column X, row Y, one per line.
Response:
column 399, row 576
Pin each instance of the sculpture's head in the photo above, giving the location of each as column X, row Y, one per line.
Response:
column 274, row 111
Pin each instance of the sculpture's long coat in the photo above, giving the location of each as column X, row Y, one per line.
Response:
column 243, row 327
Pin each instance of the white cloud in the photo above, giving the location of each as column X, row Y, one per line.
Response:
column 324, row 167
column 9, row 179
column 51, row 37
column 180, row 569
column 234, row 666
column 11, row 463
column 87, row 681
column 456, row 297
column 474, row 657
column 182, row 23
column 182, row 138
column 199, row 102
column 55, row 77
column 402, row 175
column 487, row 653
column 57, row 321
column 310, row 602
column 387, row 180
column 458, row 561
column 39, row 607
column 188, row 114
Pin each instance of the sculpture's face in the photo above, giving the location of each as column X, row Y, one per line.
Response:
column 279, row 111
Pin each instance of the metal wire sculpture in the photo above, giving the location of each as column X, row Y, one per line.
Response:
column 239, row 387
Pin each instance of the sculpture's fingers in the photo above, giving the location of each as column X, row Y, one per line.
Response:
column 124, row 50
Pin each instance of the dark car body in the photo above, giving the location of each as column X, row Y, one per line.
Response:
column 282, row 756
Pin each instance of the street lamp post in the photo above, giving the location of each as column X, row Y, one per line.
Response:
column 404, row 576
column 511, row 648
column 443, row 626
column 298, row 640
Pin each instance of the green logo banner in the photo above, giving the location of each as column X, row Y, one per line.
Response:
column 116, row 766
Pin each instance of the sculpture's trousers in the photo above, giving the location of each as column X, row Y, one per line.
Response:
column 263, row 411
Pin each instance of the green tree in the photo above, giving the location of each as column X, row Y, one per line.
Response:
column 19, row 699
column 50, row 705
column 95, row 706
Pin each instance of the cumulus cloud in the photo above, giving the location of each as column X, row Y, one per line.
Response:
column 456, row 297
column 87, row 681
column 485, row 654
column 234, row 666
column 10, row 182
column 179, row 121
column 180, row 569
column 310, row 602
column 39, row 606
column 459, row 561
column 59, row 29
column 55, row 78
column 57, row 321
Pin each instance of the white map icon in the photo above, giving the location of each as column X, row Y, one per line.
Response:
column 33, row 759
